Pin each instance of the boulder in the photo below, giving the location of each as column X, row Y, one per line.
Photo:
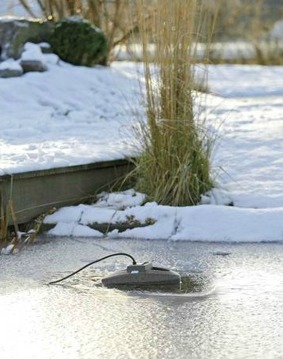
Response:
column 10, row 68
column 32, row 58
column 15, row 32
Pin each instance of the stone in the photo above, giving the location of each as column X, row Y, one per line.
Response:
column 15, row 32
column 33, row 66
column 10, row 68
column 32, row 58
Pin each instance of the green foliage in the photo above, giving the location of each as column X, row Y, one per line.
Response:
column 116, row 18
column 78, row 42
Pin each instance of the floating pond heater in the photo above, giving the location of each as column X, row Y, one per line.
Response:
column 135, row 276
column 140, row 276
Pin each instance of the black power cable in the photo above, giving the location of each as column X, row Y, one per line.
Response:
column 96, row 261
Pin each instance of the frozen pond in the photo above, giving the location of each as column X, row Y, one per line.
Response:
column 239, row 314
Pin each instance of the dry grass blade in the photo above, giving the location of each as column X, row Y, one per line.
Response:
column 5, row 235
column 13, row 215
column 3, row 224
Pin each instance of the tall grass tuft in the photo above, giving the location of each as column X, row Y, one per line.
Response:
column 7, row 238
column 174, row 168
column 3, row 223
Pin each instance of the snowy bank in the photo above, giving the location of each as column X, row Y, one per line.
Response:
column 71, row 115
column 216, row 223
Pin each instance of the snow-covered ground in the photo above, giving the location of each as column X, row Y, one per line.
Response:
column 66, row 116
column 72, row 115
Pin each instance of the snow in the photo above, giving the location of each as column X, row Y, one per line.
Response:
column 32, row 52
column 200, row 223
column 71, row 115
column 221, row 50
column 10, row 65
column 8, row 249
column 277, row 30
column 123, row 200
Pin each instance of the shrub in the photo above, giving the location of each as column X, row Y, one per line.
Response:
column 115, row 17
column 78, row 42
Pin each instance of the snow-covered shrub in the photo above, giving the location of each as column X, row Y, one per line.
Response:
column 77, row 41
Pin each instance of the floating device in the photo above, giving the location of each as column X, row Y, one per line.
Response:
column 142, row 276
column 135, row 276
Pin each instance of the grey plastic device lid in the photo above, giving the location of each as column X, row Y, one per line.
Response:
column 142, row 275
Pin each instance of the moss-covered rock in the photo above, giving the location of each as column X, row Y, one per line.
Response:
column 32, row 59
column 15, row 32
column 10, row 68
column 78, row 42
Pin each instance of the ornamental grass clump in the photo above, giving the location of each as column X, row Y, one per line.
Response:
column 174, row 168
